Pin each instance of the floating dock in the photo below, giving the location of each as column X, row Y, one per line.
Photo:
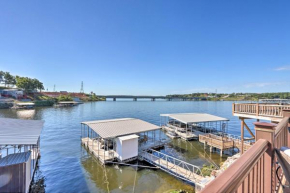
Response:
column 128, row 139
column 120, row 139
column 190, row 126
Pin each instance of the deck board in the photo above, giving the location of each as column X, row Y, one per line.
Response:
column 99, row 153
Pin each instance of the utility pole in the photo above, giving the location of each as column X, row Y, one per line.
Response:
column 215, row 94
column 82, row 87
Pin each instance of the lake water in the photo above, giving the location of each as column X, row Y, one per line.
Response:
column 67, row 167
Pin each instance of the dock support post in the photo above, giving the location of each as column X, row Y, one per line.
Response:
column 88, row 137
column 221, row 153
column 210, row 149
column 204, row 147
column 242, row 136
column 104, row 150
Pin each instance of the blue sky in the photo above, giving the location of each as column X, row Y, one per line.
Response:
column 148, row 46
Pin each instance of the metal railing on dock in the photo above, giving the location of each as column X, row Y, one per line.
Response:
column 175, row 167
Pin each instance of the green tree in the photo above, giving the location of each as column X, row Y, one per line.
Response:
column 9, row 79
column 2, row 76
column 23, row 82
column 64, row 98
column 28, row 84
column 37, row 84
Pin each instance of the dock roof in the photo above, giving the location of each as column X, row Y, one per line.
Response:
column 15, row 158
column 194, row 117
column 67, row 102
column 120, row 127
column 19, row 131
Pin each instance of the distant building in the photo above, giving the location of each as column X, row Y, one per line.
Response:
column 15, row 93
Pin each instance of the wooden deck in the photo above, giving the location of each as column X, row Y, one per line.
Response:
column 94, row 148
column 223, row 143
column 271, row 112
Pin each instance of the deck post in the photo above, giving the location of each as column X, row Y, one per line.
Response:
column 160, row 137
column 104, row 149
column 210, row 149
column 286, row 113
column 98, row 149
column 92, row 139
column 242, row 135
column 267, row 131
column 88, row 137
column 257, row 109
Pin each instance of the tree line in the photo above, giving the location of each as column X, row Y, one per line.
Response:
column 26, row 83
column 253, row 96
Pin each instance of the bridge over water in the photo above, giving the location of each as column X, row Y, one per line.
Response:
column 153, row 98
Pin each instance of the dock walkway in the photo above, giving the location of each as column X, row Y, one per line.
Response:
column 175, row 167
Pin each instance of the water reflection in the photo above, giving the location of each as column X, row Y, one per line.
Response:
column 117, row 178
column 67, row 167
column 25, row 114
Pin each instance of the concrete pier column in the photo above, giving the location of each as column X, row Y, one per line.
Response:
column 153, row 99
column 114, row 99
column 134, row 99
column 221, row 153
column 210, row 149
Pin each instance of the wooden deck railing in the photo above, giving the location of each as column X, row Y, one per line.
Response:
column 260, row 109
column 216, row 141
column 255, row 170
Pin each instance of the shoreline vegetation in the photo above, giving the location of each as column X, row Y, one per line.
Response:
column 233, row 96
column 33, row 92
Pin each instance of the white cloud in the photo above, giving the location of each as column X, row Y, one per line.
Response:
column 263, row 84
column 282, row 68
column 194, row 90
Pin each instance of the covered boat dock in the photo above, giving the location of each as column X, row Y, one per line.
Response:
column 19, row 153
column 120, row 139
column 191, row 125
column 28, row 105
column 67, row 104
